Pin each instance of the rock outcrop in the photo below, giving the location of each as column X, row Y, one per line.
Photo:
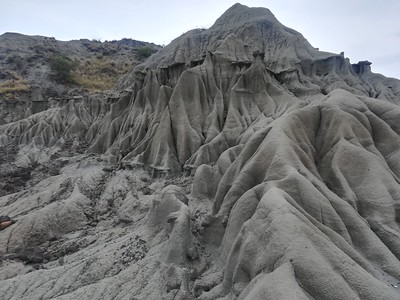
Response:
column 238, row 162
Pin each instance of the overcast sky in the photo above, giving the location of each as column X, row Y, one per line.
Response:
column 363, row 29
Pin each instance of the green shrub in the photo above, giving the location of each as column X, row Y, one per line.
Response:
column 144, row 52
column 61, row 68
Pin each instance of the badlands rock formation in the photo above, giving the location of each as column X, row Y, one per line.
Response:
column 238, row 162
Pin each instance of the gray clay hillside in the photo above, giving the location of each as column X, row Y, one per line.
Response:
column 238, row 162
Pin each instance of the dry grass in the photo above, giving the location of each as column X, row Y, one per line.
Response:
column 10, row 89
column 99, row 73
column 93, row 83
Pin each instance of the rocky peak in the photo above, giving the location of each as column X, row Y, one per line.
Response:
column 362, row 67
column 239, row 14
column 238, row 33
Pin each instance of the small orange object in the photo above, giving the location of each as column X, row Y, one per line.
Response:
column 5, row 224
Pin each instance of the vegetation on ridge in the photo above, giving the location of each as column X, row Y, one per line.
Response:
column 61, row 68
column 13, row 86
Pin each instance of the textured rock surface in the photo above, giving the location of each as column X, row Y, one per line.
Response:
column 238, row 162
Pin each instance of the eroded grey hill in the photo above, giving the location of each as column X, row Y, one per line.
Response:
column 238, row 162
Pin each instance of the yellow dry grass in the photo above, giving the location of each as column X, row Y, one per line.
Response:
column 10, row 88
column 98, row 74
